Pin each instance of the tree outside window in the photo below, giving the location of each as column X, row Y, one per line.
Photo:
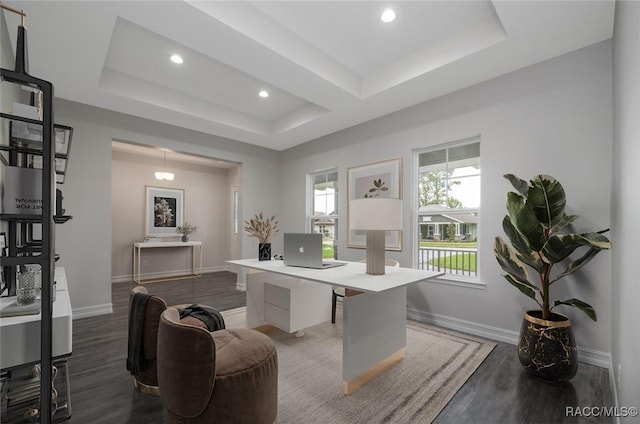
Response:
column 323, row 213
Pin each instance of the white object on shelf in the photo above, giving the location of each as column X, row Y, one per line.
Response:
column 23, row 332
column 22, row 191
column 24, row 130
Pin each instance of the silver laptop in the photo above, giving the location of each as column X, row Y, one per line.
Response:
column 305, row 250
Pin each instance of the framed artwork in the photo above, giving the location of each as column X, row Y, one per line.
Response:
column 378, row 179
column 163, row 211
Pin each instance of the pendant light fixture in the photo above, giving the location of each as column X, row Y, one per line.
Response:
column 164, row 175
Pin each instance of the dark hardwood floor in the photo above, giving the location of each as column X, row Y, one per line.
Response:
column 499, row 391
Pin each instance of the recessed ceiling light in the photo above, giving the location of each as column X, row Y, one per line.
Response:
column 176, row 58
column 388, row 16
column 263, row 93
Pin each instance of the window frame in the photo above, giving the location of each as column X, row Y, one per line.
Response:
column 450, row 279
column 310, row 200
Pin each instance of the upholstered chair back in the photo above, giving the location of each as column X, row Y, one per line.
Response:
column 147, row 381
column 222, row 376
column 189, row 365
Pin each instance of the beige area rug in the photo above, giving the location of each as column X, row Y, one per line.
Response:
column 415, row 390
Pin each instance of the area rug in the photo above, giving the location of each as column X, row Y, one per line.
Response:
column 414, row 390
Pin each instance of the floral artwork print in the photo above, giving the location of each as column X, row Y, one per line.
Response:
column 163, row 210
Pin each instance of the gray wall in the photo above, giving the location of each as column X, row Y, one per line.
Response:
column 206, row 205
column 85, row 241
column 626, row 203
column 554, row 118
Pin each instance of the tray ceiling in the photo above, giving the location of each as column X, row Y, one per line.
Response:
column 326, row 65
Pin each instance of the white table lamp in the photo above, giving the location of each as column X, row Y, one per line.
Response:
column 375, row 215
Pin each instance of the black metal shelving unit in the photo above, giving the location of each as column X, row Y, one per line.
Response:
column 23, row 247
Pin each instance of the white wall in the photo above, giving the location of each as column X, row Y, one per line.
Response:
column 206, row 205
column 554, row 118
column 626, row 203
column 85, row 241
column 9, row 93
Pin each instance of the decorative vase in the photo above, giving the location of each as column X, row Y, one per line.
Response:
column 264, row 251
column 26, row 287
column 547, row 348
column 185, row 237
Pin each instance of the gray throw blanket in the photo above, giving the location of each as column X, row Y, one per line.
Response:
column 210, row 316
column 136, row 360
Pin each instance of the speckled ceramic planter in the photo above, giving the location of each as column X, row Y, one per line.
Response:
column 547, row 348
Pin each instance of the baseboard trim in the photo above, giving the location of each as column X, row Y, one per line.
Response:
column 594, row 357
column 166, row 274
column 486, row 331
column 585, row 355
column 92, row 311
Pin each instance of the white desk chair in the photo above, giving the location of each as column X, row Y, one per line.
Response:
column 340, row 291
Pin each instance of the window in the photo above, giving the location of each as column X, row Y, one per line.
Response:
column 322, row 212
column 448, row 206
column 236, row 212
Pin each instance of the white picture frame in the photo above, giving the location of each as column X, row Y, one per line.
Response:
column 360, row 184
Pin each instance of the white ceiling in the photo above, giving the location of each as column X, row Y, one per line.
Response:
column 328, row 65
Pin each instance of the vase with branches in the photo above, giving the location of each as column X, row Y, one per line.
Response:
column 262, row 228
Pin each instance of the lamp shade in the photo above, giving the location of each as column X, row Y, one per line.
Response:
column 164, row 176
column 375, row 214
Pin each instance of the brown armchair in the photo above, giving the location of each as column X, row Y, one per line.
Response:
column 146, row 379
column 224, row 376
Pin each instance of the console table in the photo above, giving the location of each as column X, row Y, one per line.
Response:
column 374, row 321
column 196, row 259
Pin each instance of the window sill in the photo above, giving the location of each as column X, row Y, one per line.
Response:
column 457, row 280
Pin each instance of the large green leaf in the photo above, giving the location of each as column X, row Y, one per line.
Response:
column 560, row 246
column 524, row 220
column 527, row 288
column 561, row 222
column 584, row 307
column 521, row 246
column 547, row 199
column 509, row 261
column 579, row 263
column 520, row 185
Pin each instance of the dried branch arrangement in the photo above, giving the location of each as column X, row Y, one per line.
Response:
column 261, row 228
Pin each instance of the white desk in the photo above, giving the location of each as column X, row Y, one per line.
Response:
column 21, row 334
column 196, row 259
column 374, row 322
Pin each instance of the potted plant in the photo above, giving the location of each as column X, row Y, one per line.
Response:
column 185, row 230
column 537, row 226
column 262, row 228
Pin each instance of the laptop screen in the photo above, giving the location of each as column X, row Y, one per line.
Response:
column 303, row 249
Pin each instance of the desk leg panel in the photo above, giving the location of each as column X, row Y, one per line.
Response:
column 374, row 329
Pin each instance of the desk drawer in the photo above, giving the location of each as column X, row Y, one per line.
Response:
column 277, row 316
column 278, row 296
